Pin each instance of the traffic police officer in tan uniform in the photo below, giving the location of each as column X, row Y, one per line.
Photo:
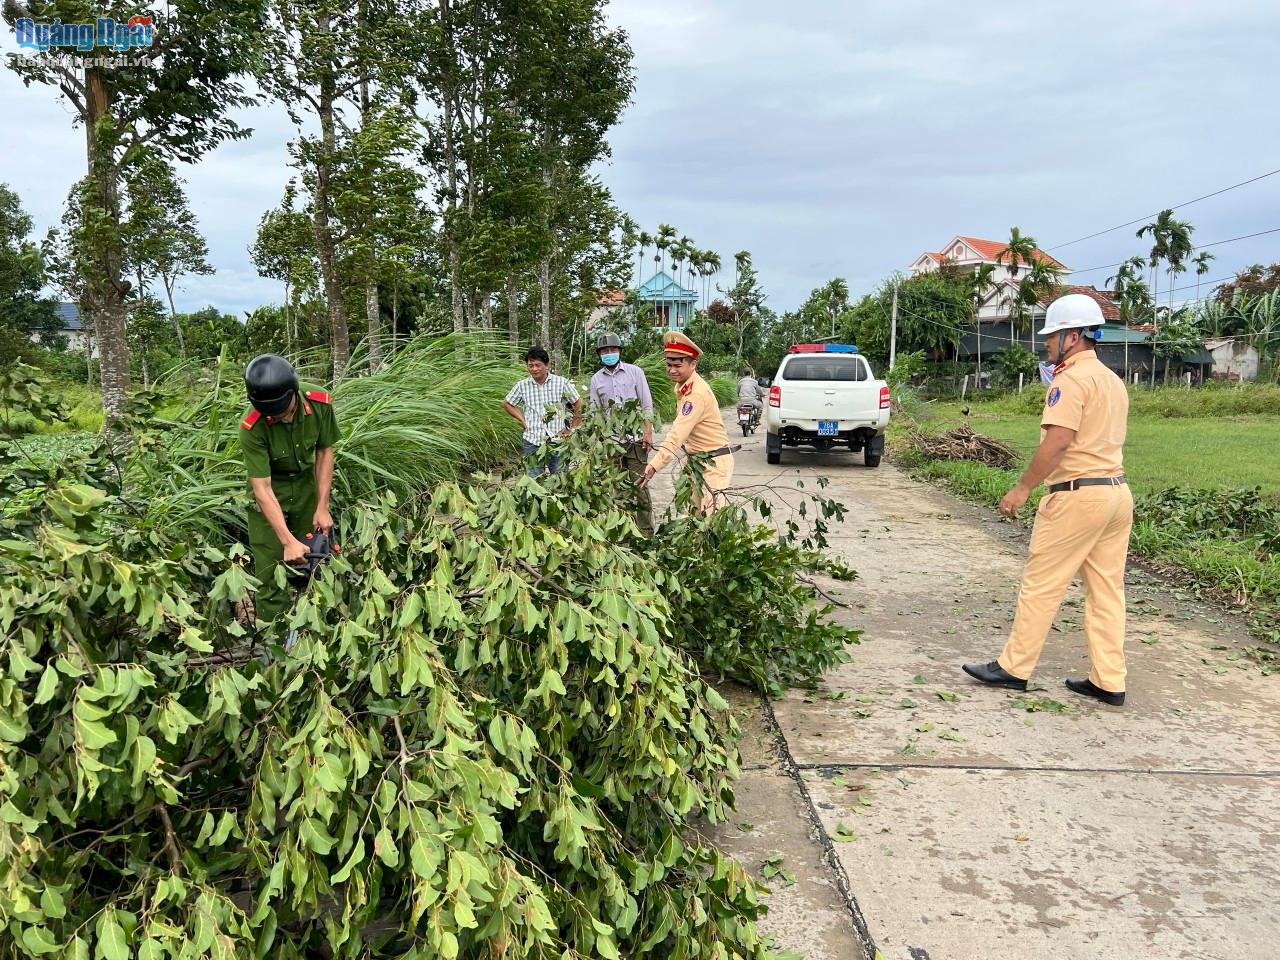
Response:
column 1083, row 523
column 287, row 442
column 698, row 427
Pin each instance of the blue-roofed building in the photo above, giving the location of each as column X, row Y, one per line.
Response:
column 72, row 325
column 669, row 305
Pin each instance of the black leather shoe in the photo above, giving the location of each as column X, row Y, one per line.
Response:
column 1086, row 688
column 995, row 675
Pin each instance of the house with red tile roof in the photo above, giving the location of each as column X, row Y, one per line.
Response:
column 966, row 254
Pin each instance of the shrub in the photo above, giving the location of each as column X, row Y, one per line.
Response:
column 485, row 739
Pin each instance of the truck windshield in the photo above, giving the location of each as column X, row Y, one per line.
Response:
column 824, row 367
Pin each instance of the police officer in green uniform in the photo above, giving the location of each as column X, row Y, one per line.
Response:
column 287, row 440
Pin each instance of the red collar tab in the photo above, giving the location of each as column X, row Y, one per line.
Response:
column 318, row 395
column 251, row 418
column 685, row 388
column 1059, row 368
column 306, row 408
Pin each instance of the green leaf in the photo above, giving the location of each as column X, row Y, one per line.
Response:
column 844, row 834
column 48, row 685
column 316, row 836
column 39, row 940
column 111, row 939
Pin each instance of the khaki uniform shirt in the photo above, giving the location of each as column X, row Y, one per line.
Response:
column 1091, row 400
column 273, row 448
column 697, row 426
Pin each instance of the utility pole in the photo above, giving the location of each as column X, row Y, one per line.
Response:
column 893, row 327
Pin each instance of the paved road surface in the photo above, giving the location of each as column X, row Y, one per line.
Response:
column 989, row 830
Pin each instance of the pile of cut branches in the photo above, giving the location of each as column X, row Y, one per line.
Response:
column 965, row 443
column 488, row 740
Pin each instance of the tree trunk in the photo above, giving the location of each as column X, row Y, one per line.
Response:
column 373, row 312
column 340, row 337
column 513, row 314
column 169, row 282
column 544, row 291
column 451, row 168
column 486, row 311
column 395, row 313
column 105, row 286
column 1155, row 319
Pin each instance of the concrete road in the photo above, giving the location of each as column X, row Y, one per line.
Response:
column 977, row 823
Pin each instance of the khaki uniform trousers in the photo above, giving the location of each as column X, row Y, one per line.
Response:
column 1083, row 531
column 716, row 476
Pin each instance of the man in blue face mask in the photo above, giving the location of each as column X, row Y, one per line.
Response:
column 615, row 384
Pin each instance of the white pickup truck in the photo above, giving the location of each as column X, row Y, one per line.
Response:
column 825, row 395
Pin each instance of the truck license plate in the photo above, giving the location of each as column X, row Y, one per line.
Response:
column 828, row 428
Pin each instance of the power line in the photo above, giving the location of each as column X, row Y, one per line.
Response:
column 1185, row 203
column 1202, row 246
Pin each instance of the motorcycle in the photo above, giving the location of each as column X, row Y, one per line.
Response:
column 748, row 417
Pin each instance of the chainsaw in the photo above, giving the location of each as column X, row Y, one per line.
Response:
column 320, row 547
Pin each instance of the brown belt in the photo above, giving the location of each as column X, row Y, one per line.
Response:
column 1119, row 481
column 717, row 452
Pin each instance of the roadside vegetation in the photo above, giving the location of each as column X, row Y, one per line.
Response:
column 1206, row 488
column 492, row 734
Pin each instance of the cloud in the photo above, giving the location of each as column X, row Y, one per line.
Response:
column 844, row 139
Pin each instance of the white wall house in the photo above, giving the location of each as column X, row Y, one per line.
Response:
column 607, row 314
column 967, row 254
column 1232, row 359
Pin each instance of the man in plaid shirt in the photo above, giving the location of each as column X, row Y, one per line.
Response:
column 542, row 403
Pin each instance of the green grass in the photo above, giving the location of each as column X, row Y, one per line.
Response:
column 1213, row 452
column 1217, row 454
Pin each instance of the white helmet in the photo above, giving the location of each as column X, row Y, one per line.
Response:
column 1072, row 312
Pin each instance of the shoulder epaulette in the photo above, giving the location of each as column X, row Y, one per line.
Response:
column 319, row 395
column 250, row 419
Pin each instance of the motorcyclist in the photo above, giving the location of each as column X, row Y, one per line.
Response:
column 750, row 391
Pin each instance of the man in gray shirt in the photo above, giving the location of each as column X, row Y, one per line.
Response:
column 617, row 383
column 542, row 403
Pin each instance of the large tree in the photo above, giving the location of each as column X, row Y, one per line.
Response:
column 172, row 96
column 23, row 311
column 160, row 233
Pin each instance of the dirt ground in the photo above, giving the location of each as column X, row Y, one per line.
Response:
column 929, row 817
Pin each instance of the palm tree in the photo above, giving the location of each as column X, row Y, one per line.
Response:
column 980, row 283
column 1201, row 261
column 679, row 254
column 1018, row 250
column 1042, row 279
column 644, row 240
column 1160, row 229
column 666, row 236
column 1131, row 297
column 740, row 258
column 713, row 266
column 1180, row 248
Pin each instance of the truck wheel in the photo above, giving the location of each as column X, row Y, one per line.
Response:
column 773, row 456
column 871, row 459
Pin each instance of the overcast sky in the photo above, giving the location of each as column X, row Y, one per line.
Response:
column 835, row 139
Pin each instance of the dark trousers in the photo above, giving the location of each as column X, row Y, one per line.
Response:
column 553, row 463
column 297, row 498
column 633, row 461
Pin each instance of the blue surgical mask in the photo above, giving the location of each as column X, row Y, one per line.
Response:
column 610, row 359
column 1046, row 371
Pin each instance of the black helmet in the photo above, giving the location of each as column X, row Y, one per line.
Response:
column 608, row 340
column 271, row 383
